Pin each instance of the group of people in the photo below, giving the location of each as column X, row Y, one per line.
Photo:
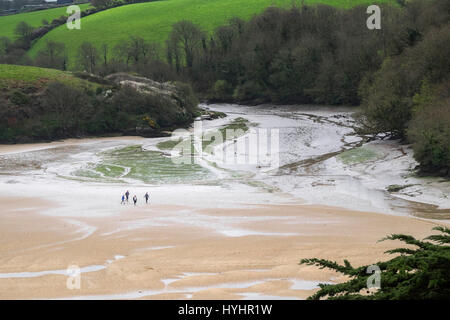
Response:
column 126, row 196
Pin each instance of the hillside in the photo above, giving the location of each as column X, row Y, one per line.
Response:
column 153, row 20
column 8, row 23
column 12, row 77
column 20, row 77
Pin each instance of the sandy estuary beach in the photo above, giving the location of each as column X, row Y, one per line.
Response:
column 212, row 229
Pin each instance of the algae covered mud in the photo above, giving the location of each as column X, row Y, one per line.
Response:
column 213, row 228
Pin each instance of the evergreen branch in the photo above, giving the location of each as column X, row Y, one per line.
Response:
column 323, row 263
column 441, row 238
column 422, row 273
column 401, row 251
column 442, row 229
column 409, row 240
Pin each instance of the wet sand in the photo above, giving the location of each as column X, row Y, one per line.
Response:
column 17, row 148
column 141, row 258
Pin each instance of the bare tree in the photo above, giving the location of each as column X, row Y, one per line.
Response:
column 5, row 46
column 52, row 55
column 105, row 52
column 123, row 52
column 24, row 32
column 88, row 56
column 185, row 40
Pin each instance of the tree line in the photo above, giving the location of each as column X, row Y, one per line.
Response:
column 6, row 5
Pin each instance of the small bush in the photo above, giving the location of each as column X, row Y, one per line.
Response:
column 19, row 98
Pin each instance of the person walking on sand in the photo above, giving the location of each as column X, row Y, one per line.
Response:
column 127, row 194
column 146, row 198
column 135, row 199
column 123, row 199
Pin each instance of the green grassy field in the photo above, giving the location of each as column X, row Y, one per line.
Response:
column 12, row 76
column 153, row 20
column 8, row 23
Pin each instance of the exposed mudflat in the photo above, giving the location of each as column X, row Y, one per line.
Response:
column 215, row 228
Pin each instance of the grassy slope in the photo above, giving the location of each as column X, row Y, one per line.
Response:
column 8, row 23
column 12, row 76
column 153, row 21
